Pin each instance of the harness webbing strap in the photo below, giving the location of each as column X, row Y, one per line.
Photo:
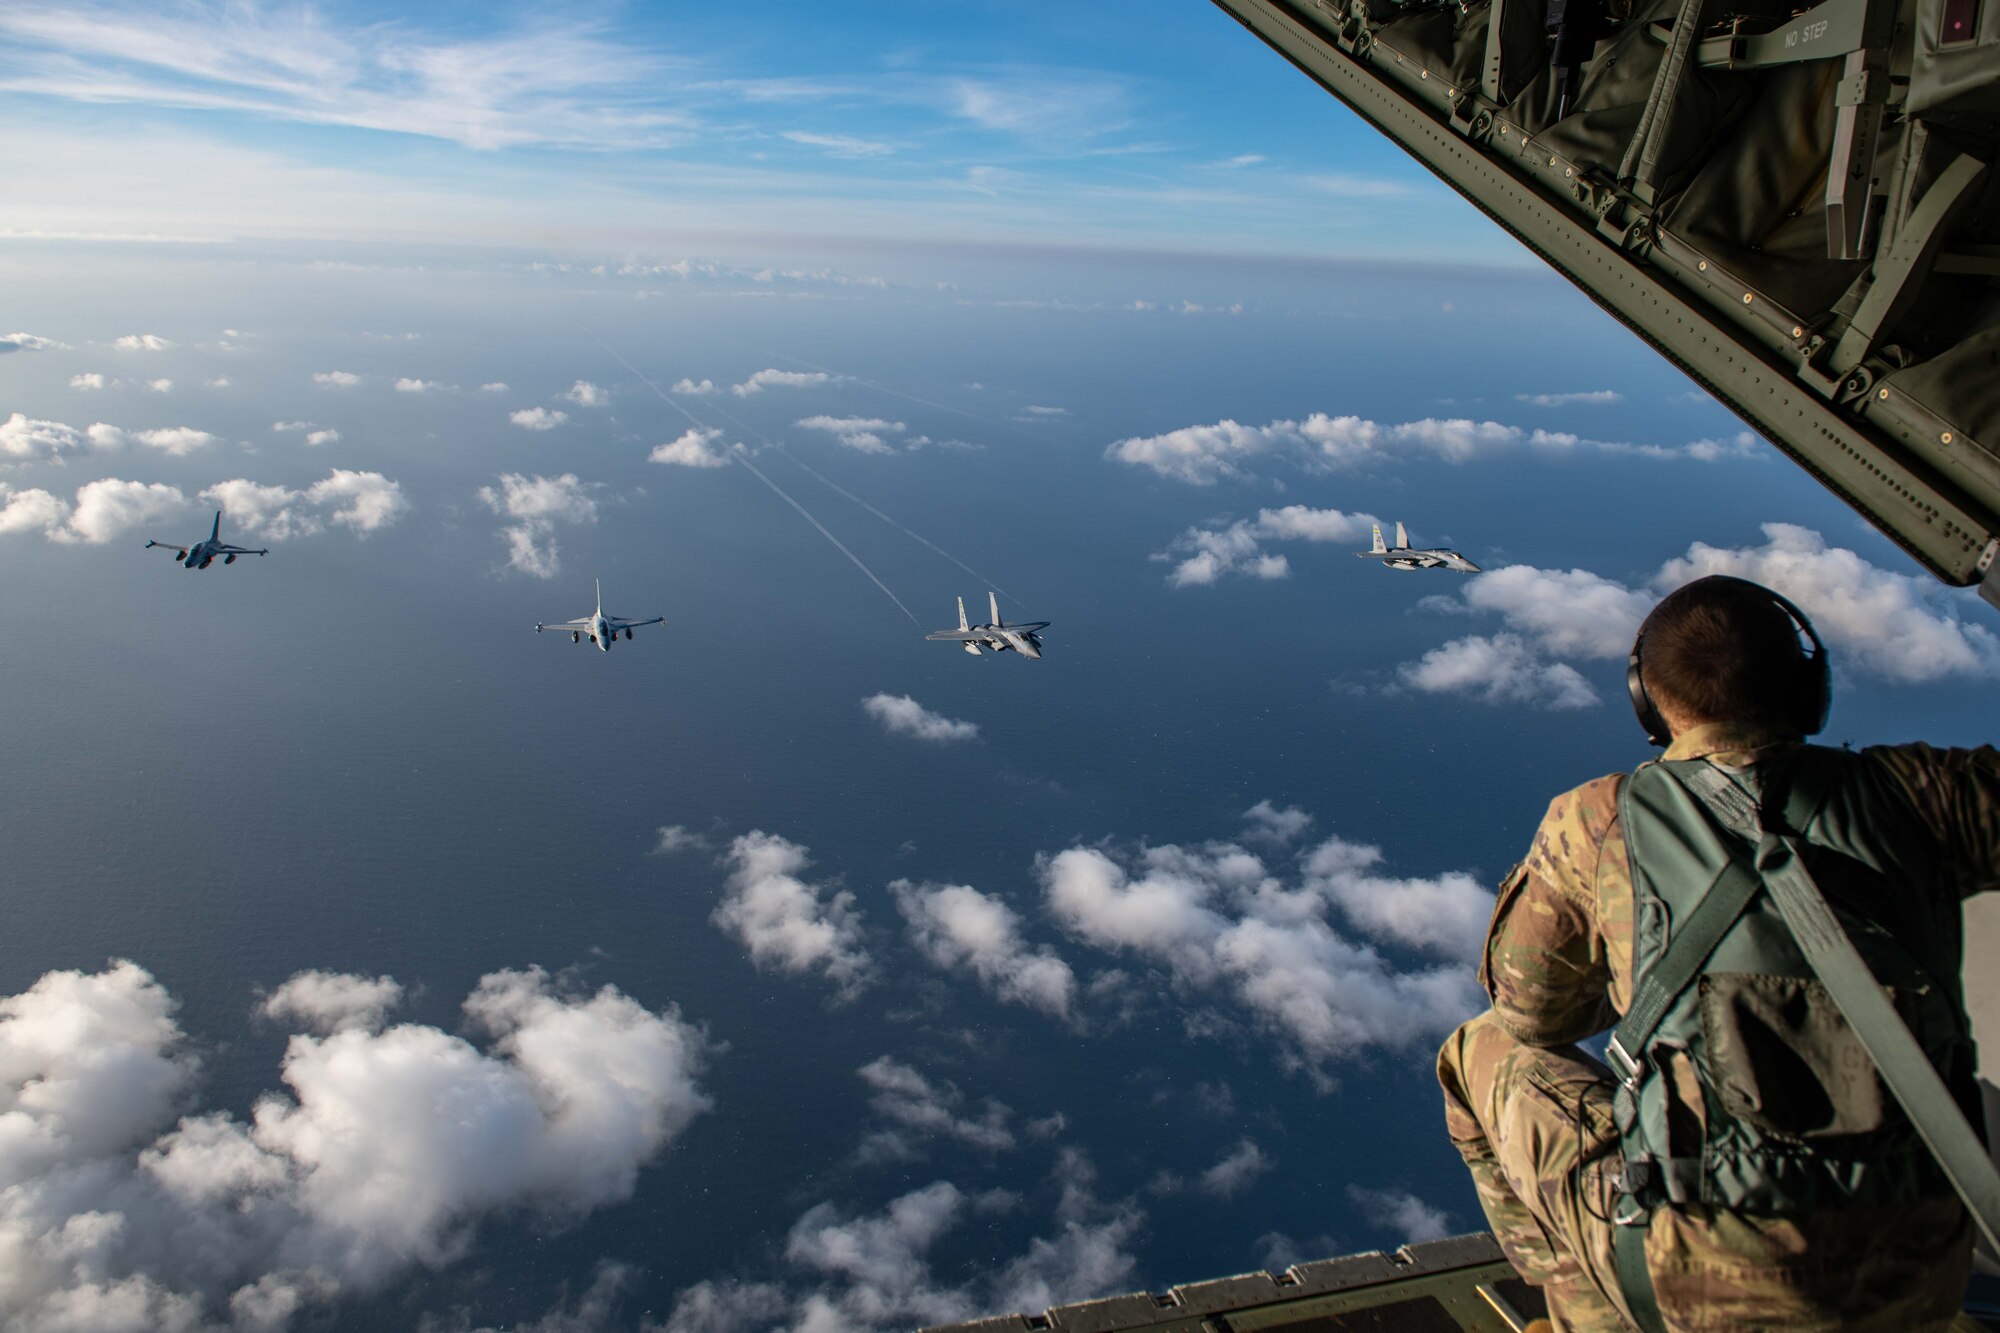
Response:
column 1683, row 960
column 1628, row 1249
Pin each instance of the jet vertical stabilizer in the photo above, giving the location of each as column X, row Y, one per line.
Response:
column 1378, row 548
column 993, row 609
column 1402, row 538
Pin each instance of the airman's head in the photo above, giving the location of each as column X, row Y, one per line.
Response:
column 1725, row 649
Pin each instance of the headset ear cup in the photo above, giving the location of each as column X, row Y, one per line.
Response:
column 1642, row 703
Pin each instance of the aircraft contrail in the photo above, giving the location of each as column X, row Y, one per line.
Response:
column 893, row 393
column 740, row 456
column 906, row 531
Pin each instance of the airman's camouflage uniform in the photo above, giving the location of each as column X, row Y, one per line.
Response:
column 1531, row 1114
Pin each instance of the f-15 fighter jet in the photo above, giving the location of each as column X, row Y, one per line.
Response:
column 1403, row 556
column 998, row 636
column 600, row 628
column 202, row 553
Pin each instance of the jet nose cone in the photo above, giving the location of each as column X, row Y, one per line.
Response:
column 1031, row 648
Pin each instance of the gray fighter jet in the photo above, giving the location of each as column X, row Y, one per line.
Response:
column 202, row 553
column 1403, row 556
column 998, row 636
column 601, row 629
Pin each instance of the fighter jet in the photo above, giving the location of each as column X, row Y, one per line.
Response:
column 1402, row 556
column 998, row 636
column 601, row 629
column 202, row 554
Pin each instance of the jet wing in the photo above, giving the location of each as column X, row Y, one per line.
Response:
column 240, row 550
column 583, row 623
column 617, row 624
column 1829, row 286
column 1030, row 626
column 961, row 635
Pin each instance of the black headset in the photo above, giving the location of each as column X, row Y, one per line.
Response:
column 1814, row 700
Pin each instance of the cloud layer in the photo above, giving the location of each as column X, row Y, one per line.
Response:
column 537, row 504
column 1204, row 555
column 900, row 715
column 387, row 1152
column 786, row 923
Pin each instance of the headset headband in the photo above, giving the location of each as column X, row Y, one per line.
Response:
column 1813, row 704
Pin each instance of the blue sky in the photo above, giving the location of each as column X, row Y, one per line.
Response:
column 1143, row 125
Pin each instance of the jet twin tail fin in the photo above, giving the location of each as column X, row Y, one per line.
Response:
column 993, row 606
column 963, row 623
column 1402, row 538
column 1378, row 548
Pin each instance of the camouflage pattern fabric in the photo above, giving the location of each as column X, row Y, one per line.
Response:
column 1531, row 1114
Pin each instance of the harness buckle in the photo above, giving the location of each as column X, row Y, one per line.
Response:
column 1623, row 1063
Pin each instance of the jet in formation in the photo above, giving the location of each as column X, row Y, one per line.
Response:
column 1403, row 556
column 202, row 554
column 999, row 636
column 600, row 628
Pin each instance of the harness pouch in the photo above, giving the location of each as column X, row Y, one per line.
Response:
column 1782, row 1057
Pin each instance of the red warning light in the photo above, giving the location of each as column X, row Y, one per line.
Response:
column 1960, row 21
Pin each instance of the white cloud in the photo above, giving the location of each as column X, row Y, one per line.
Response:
column 314, row 438
column 585, row 394
column 1041, row 410
column 178, row 441
column 160, row 385
column 694, row 447
column 1223, row 926
column 1201, row 455
column 291, row 425
column 495, row 386
column 913, row 1103
column 1592, row 396
column 329, row 1002
column 957, row 928
column 1235, row 1172
column 1398, row 1211
column 90, row 379
column 1266, row 823
column 142, row 342
column 407, row 385
column 216, row 382
column 33, row 510
column 840, row 145
column 900, row 715
column 23, row 438
column 859, row 433
column 872, row 1271
column 688, row 386
column 1446, row 916
column 1498, row 669
column 364, row 501
column 674, row 838
column 388, row 1152
column 339, row 379
column 1897, row 627
column 538, row 503
column 787, row 923
column 1205, row 555
column 105, row 509
column 29, row 342
column 538, row 418
column 783, row 379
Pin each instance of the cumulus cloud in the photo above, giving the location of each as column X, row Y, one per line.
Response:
column 1223, row 927
column 142, row 342
column 673, row 838
column 179, row 441
column 1398, row 1211
column 386, row 1153
column 915, row 1106
column 160, row 386
column 363, row 501
column 1235, row 1172
column 1204, row 555
column 1042, row 410
column 29, row 342
column 1266, row 823
column 863, row 434
column 900, row 715
column 695, row 387
column 216, row 382
column 783, row 379
column 33, row 510
column 538, row 418
column 786, row 923
column 494, row 386
column 585, row 394
column 695, row 447
column 1878, row 623
column 1446, row 915
column 338, row 379
column 872, row 1271
column 315, row 438
column 107, row 508
column 958, row 928
column 538, row 504
column 1592, row 396
column 25, row 439
column 1202, row 455
column 329, row 1002
column 1498, row 669
column 407, row 385
column 90, row 379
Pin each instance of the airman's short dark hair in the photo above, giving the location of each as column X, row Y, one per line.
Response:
column 1723, row 650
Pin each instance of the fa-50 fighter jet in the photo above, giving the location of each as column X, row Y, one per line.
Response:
column 601, row 628
column 202, row 554
column 1402, row 556
column 999, row 635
